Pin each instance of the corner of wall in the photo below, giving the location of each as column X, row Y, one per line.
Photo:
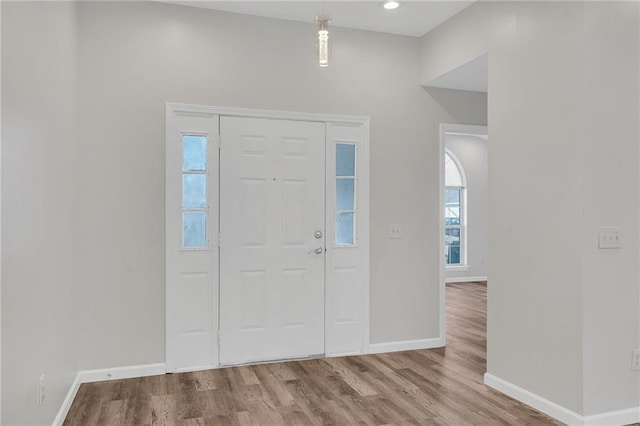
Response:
column 39, row 114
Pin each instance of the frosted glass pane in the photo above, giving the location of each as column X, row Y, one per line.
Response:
column 194, row 229
column 345, row 159
column 345, row 194
column 194, row 153
column 194, row 191
column 344, row 228
column 452, row 174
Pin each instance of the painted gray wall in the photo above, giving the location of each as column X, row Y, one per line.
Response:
column 39, row 268
column 610, row 156
column 83, row 233
column 471, row 152
column 162, row 53
column 563, row 107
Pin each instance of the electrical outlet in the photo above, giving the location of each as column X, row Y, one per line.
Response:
column 635, row 360
column 41, row 388
column 395, row 231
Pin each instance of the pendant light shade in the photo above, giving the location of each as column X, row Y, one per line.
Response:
column 323, row 40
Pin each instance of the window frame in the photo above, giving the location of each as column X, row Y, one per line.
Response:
column 462, row 215
column 355, row 194
column 460, row 227
column 205, row 209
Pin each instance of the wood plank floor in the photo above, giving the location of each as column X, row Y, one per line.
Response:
column 427, row 387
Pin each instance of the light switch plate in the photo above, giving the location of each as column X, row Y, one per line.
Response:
column 395, row 230
column 610, row 237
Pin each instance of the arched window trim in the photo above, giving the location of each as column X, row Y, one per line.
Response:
column 458, row 164
column 459, row 256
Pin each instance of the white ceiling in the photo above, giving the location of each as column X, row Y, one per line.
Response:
column 413, row 17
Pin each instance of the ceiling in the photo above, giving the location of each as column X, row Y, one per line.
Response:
column 413, row 17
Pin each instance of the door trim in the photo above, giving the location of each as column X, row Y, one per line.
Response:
column 208, row 110
column 174, row 111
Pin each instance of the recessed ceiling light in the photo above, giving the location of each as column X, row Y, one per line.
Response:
column 390, row 4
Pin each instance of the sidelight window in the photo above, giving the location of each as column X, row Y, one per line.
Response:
column 345, row 194
column 194, row 191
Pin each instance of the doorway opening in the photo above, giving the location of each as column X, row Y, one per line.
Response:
column 463, row 206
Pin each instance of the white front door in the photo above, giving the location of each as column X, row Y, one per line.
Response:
column 272, row 243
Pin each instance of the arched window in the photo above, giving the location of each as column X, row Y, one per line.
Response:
column 454, row 211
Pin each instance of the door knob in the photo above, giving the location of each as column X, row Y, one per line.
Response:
column 317, row 250
column 317, row 234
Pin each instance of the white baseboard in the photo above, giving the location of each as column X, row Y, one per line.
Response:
column 405, row 345
column 68, row 400
column 88, row 376
column 558, row 412
column 550, row 408
column 339, row 354
column 464, row 279
column 620, row 417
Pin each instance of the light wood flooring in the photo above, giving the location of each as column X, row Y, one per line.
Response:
column 426, row 387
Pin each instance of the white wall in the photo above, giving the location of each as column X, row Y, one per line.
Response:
column 471, row 151
column 534, row 308
column 39, row 267
column 563, row 122
column 136, row 56
column 463, row 38
column 610, row 186
column 83, row 184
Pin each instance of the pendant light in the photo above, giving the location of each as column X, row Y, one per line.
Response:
column 323, row 40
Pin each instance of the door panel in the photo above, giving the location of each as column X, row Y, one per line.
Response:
column 272, row 203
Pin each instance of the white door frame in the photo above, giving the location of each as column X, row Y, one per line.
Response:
column 448, row 129
column 333, row 340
